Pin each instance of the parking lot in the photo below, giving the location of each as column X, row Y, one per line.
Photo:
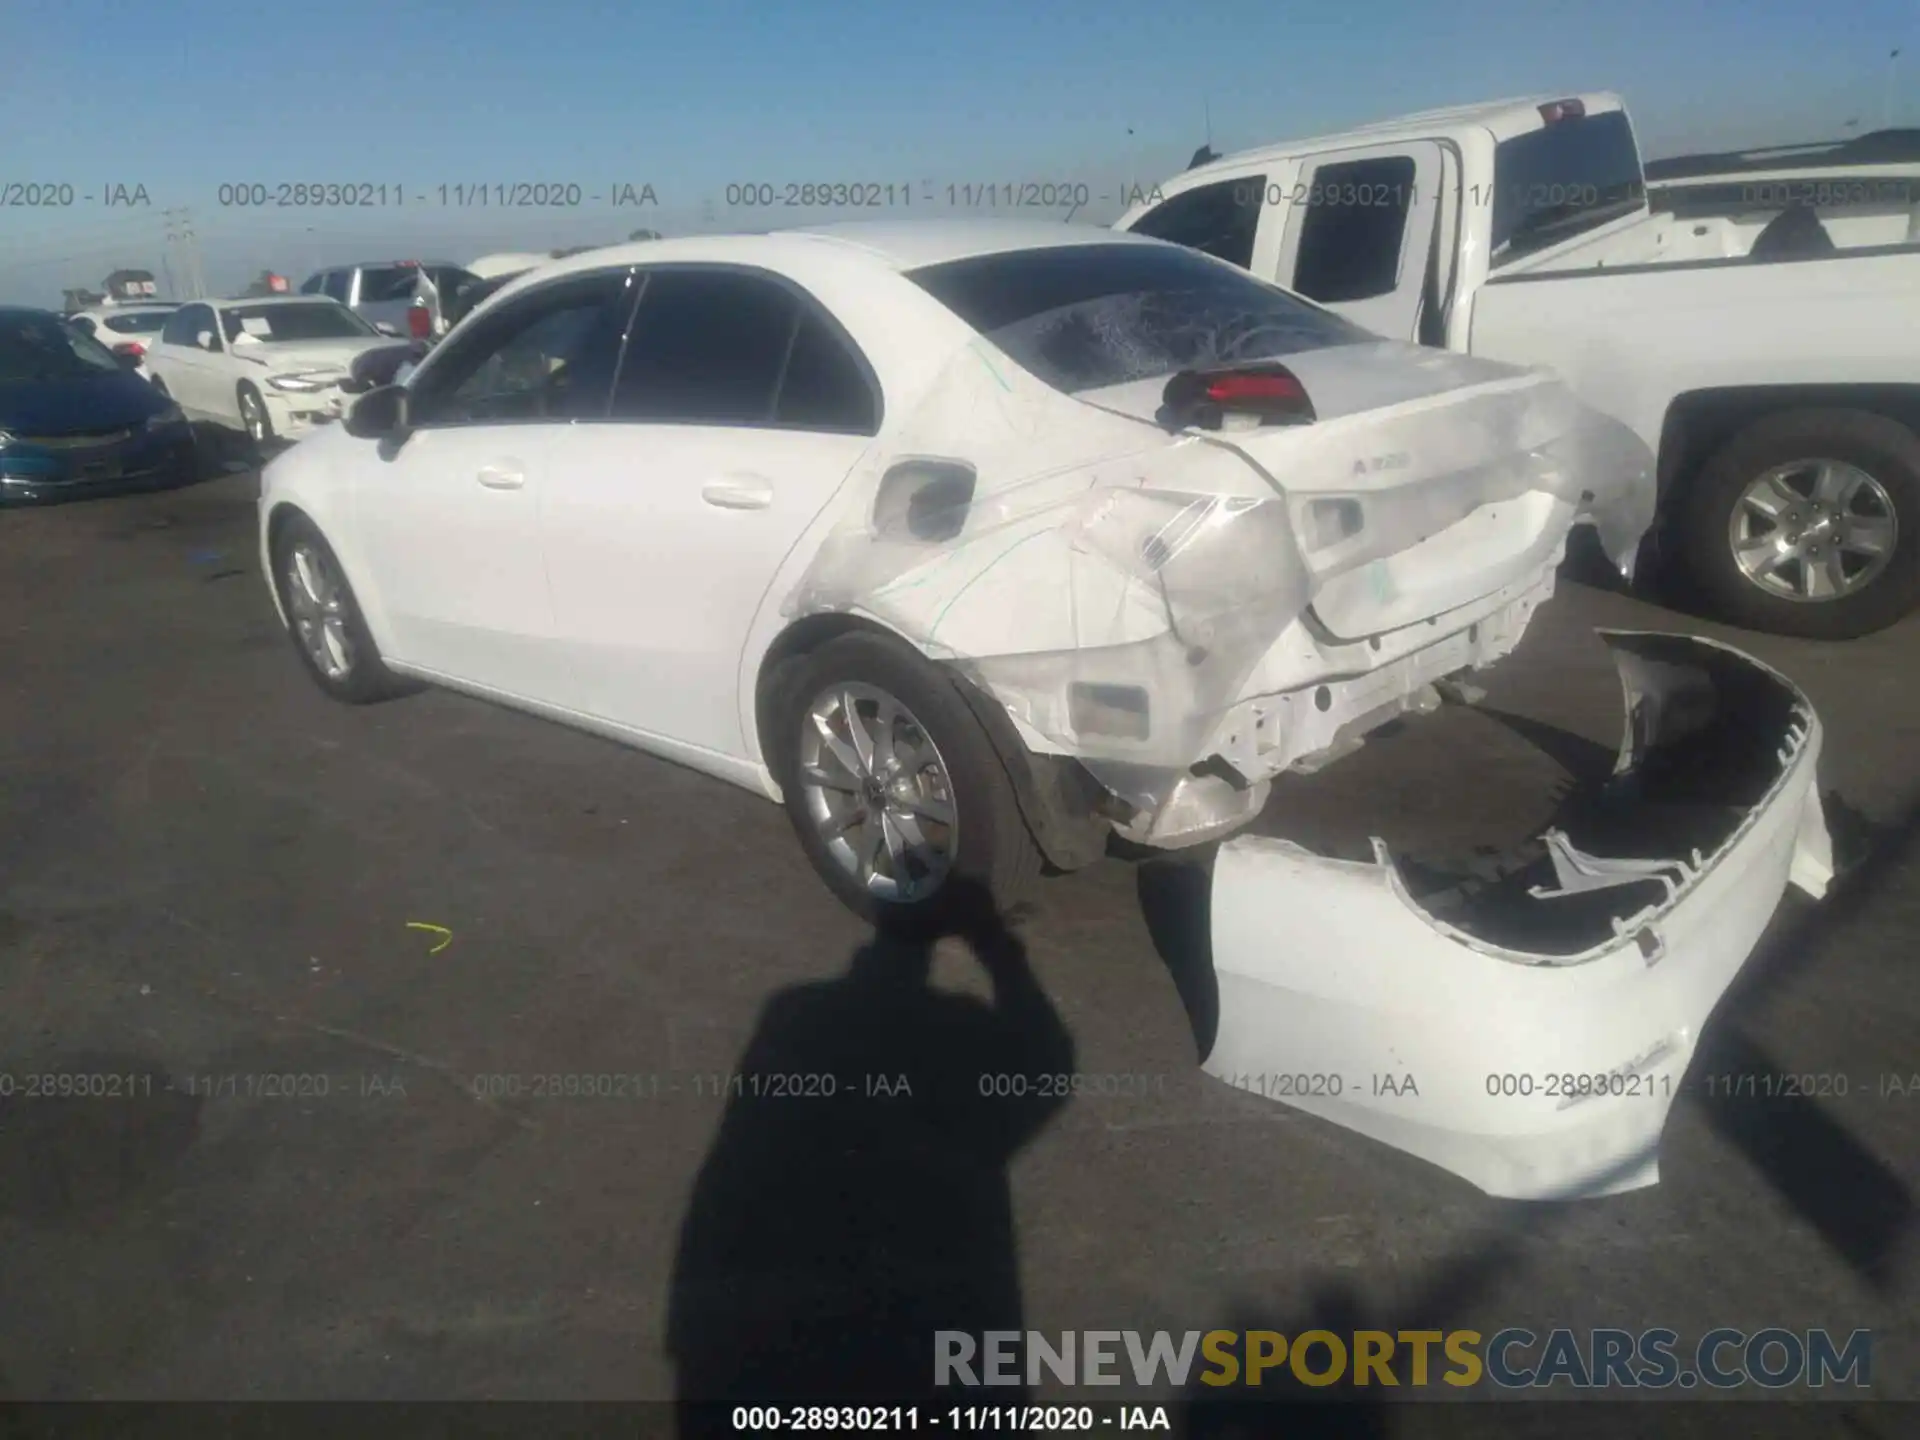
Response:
column 210, row 873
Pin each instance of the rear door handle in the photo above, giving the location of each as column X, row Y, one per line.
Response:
column 506, row 476
column 738, row 492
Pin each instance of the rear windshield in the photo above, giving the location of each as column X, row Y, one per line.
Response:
column 1083, row 317
column 383, row 284
column 312, row 320
column 36, row 347
column 1563, row 180
column 146, row 322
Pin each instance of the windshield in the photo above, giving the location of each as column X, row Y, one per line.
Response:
column 272, row 324
column 40, row 347
column 1562, row 180
column 1083, row 317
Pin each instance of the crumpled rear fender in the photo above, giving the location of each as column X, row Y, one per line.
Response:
column 1545, row 1069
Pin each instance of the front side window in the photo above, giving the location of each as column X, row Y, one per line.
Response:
column 40, row 348
column 199, row 318
column 548, row 356
column 1083, row 317
column 1219, row 219
column 1353, row 229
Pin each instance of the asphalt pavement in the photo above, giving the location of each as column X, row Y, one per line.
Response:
column 352, row 965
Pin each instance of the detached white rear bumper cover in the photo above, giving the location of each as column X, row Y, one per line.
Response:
column 1533, row 1075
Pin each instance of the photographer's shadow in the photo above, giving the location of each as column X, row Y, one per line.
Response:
column 829, row 1236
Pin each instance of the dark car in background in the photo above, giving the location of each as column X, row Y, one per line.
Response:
column 75, row 419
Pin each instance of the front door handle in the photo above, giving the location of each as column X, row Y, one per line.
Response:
column 738, row 492
column 502, row 477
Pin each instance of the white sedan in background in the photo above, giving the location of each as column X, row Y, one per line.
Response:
column 269, row 366
column 126, row 329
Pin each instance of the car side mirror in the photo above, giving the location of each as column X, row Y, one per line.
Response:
column 379, row 414
column 204, row 339
column 387, row 327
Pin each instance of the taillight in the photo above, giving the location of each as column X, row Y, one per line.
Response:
column 419, row 322
column 1555, row 110
column 130, row 347
column 1204, row 398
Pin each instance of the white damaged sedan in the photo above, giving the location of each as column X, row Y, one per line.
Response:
column 973, row 543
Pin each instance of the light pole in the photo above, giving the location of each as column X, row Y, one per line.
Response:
column 1886, row 107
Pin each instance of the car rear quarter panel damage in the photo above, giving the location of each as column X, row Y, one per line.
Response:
column 1126, row 593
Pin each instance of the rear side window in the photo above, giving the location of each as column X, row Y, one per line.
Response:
column 179, row 329
column 1218, row 219
column 143, row 324
column 1083, row 317
column 381, row 284
column 312, row 286
column 720, row 347
column 335, row 285
column 826, row 386
column 1353, row 230
column 1560, row 181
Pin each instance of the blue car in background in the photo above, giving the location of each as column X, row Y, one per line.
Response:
column 75, row 419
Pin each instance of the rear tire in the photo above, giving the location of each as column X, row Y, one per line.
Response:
column 324, row 621
column 1780, row 456
column 888, row 838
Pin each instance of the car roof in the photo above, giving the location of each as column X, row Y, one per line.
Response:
column 272, row 300
column 392, row 265
column 890, row 244
column 1503, row 119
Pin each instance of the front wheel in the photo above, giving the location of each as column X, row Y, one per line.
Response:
column 893, row 787
column 254, row 418
column 329, row 632
column 1808, row 523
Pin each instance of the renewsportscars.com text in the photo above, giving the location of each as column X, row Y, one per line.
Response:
column 1725, row 1359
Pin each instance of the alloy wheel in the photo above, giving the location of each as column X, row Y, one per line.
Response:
column 318, row 601
column 1813, row 530
column 878, row 792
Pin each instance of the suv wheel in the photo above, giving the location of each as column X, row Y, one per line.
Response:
column 1808, row 523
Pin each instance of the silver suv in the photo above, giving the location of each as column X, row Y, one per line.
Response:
column 401, row 297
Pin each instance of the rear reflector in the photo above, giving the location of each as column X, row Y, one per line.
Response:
column 130, row 347
column 1563, row 110
column 419, row 322
column 1203, row 398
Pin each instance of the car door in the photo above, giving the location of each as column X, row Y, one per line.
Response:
column 1359, row 234
column 450, row 515
column 740, row 408
column 185, row 364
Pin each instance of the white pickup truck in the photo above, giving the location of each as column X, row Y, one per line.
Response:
column 1774, row 370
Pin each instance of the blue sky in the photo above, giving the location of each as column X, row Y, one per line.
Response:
column 182, row 96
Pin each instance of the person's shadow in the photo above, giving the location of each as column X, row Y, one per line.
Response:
column 829, row 1236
